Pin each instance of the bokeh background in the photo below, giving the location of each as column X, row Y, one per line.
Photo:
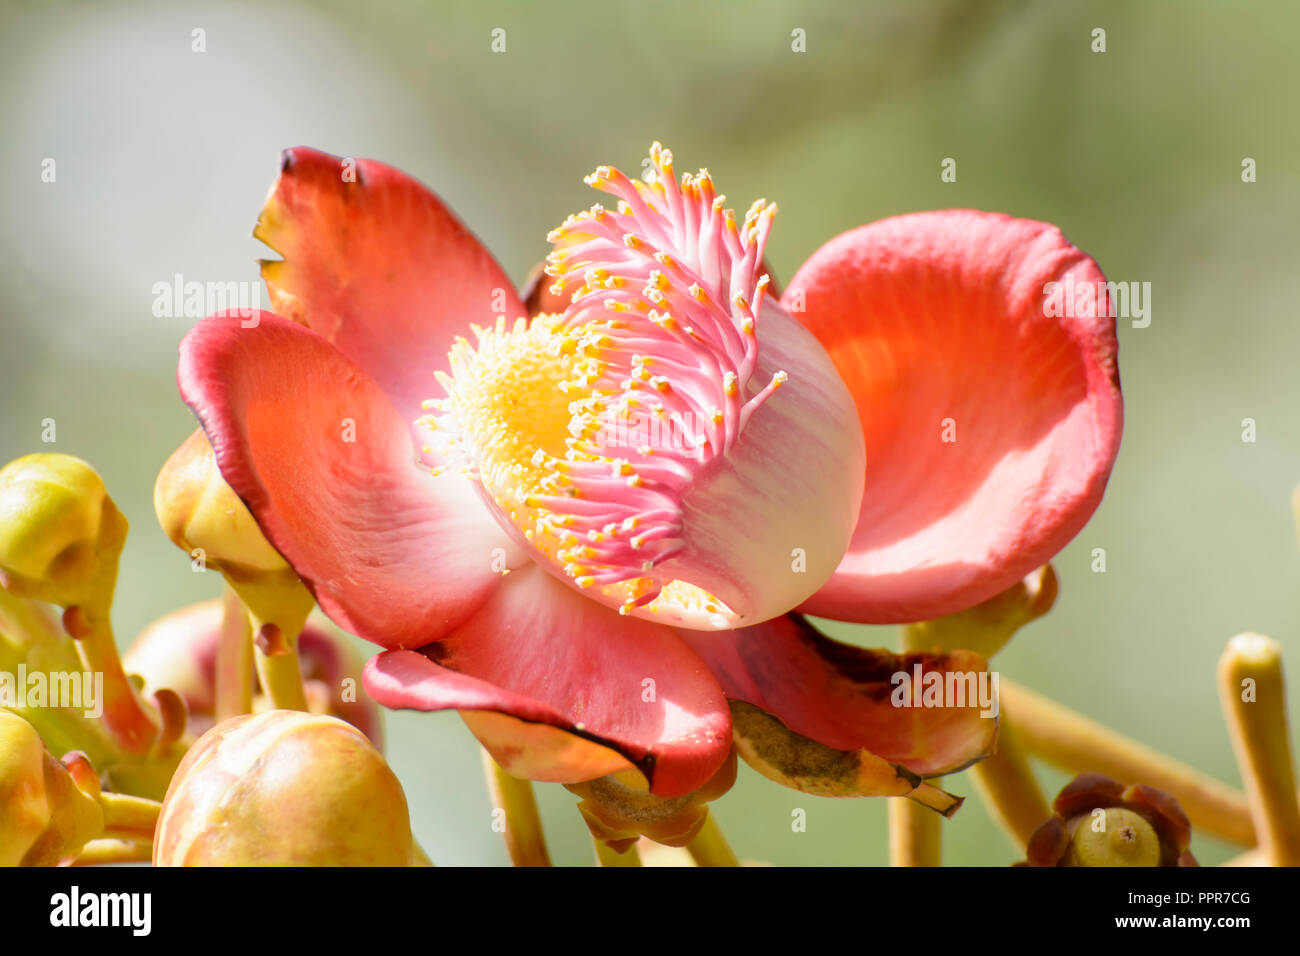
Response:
column 164, row 156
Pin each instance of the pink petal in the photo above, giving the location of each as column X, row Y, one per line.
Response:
column 391, row 553
column 941, row 315
column 380, row 267
column 541, row 653
column 839, row 695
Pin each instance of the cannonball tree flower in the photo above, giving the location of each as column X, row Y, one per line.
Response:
column 590, row 598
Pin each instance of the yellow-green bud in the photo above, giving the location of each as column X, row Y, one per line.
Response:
column 44, row 818
column 284, row 788
column 203, row 516
column 60, row 533
column 24, row 811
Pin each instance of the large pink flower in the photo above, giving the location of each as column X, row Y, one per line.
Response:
column 661, row 472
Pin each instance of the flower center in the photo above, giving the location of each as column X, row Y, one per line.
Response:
column 588, row 428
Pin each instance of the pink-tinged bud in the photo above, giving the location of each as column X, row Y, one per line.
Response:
column 44, row 818
column 179, row 651
column 284, row 788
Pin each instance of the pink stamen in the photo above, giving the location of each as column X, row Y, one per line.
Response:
column 669, row 294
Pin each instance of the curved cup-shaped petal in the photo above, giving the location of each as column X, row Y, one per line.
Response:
column 375, row 263
column 991, row 421
column 803, row 764
column 324, row 462
column 540, row 653
column 853, row 699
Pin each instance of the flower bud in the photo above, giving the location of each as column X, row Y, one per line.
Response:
column 60, row 533
column 1099, row 822
column 24, row 811
column 179, row 651
column 284, row 788
column 44, row 818
column 203, row 516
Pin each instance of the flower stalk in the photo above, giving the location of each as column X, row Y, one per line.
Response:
column 1253, row 692
column 107, row 851
column 710, row 848
column 124, row 712
column 915, row 837
column 525, row 840
column 1078, row 744
column 1007, row 784
column 606, row 855
column 128, row 817
column 915, row 834
column 234, row 677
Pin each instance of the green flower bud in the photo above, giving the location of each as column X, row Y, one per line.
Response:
column 45, row 819
column 60, row 533
column 203, row 516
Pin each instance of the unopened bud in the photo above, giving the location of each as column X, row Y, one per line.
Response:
column 179, row 651
column 45, row 819
column 60, row 533
column 200, row 512
column 284, row 788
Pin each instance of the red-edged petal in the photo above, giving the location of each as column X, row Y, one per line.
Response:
column 325, row 464
column 840, row 695
column 542, row 653
column 377, row 264
column 937, row 316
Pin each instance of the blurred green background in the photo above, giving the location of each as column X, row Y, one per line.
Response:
column 164, row 156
